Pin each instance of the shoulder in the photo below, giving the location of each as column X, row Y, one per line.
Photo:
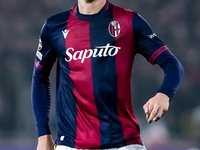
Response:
column 60, row 17
column 63, row 16
column 122, row 11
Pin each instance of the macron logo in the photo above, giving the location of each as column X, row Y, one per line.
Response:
column 65, row 33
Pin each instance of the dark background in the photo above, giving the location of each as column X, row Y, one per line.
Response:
column 176, row 22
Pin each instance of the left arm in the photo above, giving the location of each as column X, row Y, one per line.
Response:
column 158, row 105
column 156, row 52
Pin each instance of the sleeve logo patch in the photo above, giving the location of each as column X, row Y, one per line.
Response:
column 39, row 55
column 40, row 45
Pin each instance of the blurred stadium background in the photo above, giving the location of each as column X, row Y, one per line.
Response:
column 176, row 22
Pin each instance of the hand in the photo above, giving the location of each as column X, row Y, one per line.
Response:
column 45, row 142
column 156, row 107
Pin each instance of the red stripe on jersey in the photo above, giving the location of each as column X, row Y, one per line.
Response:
column 107, row 6
column 124, row 61
column 157, row 53
column 37, row 64
column 87, row 118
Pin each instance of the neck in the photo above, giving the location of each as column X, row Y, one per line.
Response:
column 89, row 8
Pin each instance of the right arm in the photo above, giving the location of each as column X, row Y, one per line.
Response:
column 44, row 60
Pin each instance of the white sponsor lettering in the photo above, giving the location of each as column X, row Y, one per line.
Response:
column 99, row 51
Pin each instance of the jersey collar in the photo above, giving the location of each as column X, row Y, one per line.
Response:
column 91, row 17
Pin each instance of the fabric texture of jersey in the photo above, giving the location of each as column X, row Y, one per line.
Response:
column 94, row 56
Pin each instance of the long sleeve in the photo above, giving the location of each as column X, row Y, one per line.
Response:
column 44, row 60
column 156, row 52
column 173, row 71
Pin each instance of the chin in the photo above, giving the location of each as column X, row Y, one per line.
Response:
column 89, row 1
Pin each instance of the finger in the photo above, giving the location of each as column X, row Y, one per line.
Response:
column 147, row 116
column 146, row 110
column 145, row 107
column 159, row 114
column 152, row 114
column 150, row 109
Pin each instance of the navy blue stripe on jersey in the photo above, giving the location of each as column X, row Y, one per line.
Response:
column 105, row 83
column 65, row 106
column 65, row 98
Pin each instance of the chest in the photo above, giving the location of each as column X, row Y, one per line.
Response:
column 79, row 40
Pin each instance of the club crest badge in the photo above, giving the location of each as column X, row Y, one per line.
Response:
column 114, row 28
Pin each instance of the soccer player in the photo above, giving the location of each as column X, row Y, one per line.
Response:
column 94, row 44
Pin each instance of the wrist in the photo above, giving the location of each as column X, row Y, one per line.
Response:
column 45, row 142
column 45, row 138
column 163, row 96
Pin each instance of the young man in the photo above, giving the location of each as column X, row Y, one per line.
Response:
column 94, row 44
